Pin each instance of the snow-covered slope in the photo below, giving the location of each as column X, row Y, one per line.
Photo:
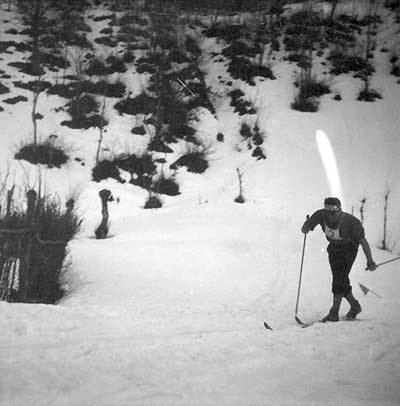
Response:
column 169, row 310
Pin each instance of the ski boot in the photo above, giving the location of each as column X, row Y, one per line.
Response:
column 331, row 316
column 355, row 309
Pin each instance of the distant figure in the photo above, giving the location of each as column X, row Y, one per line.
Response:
column 344, row 233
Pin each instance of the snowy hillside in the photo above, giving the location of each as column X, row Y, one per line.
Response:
column 169, row 310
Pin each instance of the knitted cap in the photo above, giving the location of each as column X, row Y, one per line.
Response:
column 332, row 203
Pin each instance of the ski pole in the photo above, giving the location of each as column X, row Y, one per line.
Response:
column 300, row 277
column 386, row 262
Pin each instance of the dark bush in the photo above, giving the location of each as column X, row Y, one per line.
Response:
column 128, row 57
column 158, row 146
column 34, row 85
column 181, row 131
column 106, row 31
column 106, row 41
column 239, row 47
column 153, row 202
column 115, row 65
column 145, row 67
column 67, row 91
column 156, row 59
column 175, row 112
column 30, row 68
column 129, row 19
column 166, row 186
column 194, row 161
column 97, row 67
column 259, row 153
column 342, row 63
column 257, row 137
column 19, row 46
column 104, row 17
column 104, row 88
column 15, row 100
column 242, row 68
column 141, row 104
column 141, row 169
column 192, row 46
column 295, row 57
column 395, row 71
column 241, row 106
column 46, row 154
column 4, row 89
column 48, row 260
column 227, row 32
column 140, row 130
column 245, row 131
column 369, row 96
column 85, row 123
column 338, row 32
column 106, row 169
column 304, row 18
column 313, row 88
column 165, row 41
column 239, row 199
column 53, row 61
column 306, row 105
column 54, row 228
column 275, row 45
column 82, row 106
column 77, row 39
column 178, row 56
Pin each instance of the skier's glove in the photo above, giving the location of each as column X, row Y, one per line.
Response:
column 371, row 266
column 305, row 229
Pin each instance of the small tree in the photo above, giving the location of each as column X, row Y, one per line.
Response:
column 333, row 8
column 362, row 209
column 38, row 88
column 79, row 66
column 305, row 32
column 101, row 130
column 240, row 198
column 368, row 44
column 102, row 230
column 34, row 12
column 385, row 209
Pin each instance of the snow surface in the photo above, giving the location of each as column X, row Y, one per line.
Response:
column 169, row 310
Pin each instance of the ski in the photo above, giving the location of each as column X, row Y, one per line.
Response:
column 267, row 326
column 299, row 321
column 305, row 325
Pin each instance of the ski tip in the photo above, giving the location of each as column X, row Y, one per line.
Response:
column 267, row 326
column 299, row 321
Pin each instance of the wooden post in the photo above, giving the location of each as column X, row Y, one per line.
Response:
column 26, row 268
column 9, row 201
column 240, row 198
column 385, row 210
column 102, row 229
column 30, row 212
column 70, row 206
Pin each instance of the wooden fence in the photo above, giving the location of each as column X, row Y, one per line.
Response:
column 20, row 249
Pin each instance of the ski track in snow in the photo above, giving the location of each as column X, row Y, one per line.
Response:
column 150, row 342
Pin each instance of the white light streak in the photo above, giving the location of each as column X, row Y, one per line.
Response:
column 329, row 161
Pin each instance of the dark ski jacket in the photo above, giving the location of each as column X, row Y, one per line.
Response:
column 349, row 230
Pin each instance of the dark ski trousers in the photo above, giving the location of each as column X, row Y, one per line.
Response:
column 341, row 259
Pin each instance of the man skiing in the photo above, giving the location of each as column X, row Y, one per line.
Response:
column 344, row 233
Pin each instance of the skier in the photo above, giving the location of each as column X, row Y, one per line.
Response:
column 344, row 233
